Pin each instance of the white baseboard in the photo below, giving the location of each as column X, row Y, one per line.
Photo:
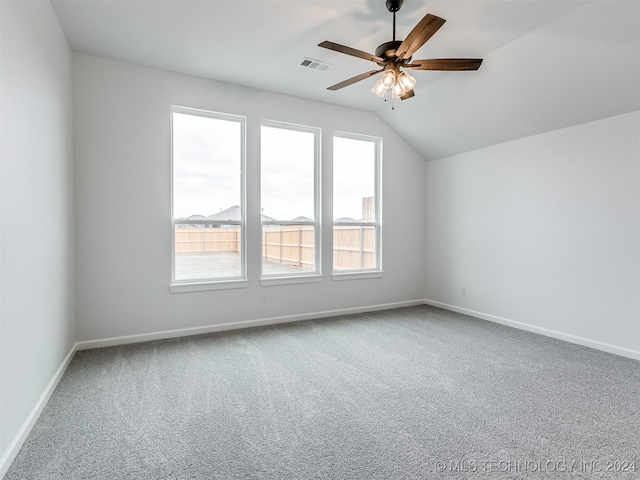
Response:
column 184, row 332
column 606, row 347
column 23, row 433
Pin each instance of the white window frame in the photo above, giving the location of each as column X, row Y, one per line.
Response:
column 301, row 277
column 214, row 283
column 364, row 273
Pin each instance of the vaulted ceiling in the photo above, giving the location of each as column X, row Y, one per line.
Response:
column 547, row 64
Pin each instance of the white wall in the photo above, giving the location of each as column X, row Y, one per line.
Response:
column 123, row 238
column 544, row 231
column 37, row 303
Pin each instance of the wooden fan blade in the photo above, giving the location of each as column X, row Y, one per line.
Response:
column 353, row 80
column 409, row 94
column 350, row 51
column 449, row 64
column 423, row 31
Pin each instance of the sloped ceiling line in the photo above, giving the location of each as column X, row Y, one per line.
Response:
column 547, row 65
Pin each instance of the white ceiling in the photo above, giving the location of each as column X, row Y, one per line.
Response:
column 548, row 64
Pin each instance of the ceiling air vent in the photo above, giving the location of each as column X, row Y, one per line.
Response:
column 315, row 64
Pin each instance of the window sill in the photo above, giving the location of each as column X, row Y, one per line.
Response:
column 205, row 286
column 354, row 275
column 290, row 280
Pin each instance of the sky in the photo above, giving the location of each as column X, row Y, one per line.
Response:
column 353, row 176
column 206, row 165
column 287, row 173
column 206, row 170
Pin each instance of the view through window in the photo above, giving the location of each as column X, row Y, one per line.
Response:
column 356, row 202
column 208, row 218
column 289, row 173
column 208, row 178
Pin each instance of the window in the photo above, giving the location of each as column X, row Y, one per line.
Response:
column 356, row 203
column 207, row 196
column 289, row 159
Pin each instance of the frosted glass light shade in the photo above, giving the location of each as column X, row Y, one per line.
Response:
column 398, row 90
column 379, row 88
column 388, row 79
column 407, row 81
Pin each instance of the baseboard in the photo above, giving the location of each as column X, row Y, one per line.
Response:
column 23, row 433
column 184, row 332
column 605, row 347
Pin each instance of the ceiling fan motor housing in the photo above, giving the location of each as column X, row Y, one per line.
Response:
column 388, row 49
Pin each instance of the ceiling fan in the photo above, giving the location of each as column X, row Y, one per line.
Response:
column 396, row 55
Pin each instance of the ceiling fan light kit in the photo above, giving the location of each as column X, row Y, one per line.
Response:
column 388, row 79
column 379, row 89
column 394, row 55
column 397, row 91
column 407, row 81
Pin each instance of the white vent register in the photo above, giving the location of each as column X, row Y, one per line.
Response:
column 315, row 64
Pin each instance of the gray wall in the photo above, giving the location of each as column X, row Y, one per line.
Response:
column 543, row 232
column 123, row 220
column 37, row 305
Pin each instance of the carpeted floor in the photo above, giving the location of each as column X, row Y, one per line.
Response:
column 412, row 393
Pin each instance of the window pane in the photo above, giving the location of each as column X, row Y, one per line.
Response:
column 356, row 228
column 207, row 186
column 354, row 164
column 288, row 249
column 288, row 170
column 203, row 252
column 353, row 247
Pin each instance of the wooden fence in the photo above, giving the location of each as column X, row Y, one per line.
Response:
column 207, row 240
column 289, row 245
column 353, row 246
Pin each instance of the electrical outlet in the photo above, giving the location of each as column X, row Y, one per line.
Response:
column 265, row 298
column 463, row 290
